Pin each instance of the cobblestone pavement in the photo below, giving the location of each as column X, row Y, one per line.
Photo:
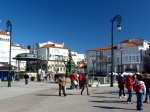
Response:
column 43, row 97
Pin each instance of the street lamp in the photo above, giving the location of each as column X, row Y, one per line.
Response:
column 117, row 18
column 8, row 31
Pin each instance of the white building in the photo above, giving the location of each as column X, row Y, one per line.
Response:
column 54, row 56
column 4, row 48
column 129, row 56
column 15, row 50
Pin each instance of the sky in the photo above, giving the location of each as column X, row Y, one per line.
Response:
column 80, row 24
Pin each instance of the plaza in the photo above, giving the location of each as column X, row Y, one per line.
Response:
column 43, row 97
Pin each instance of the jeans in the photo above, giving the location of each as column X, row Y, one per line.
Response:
column 83, row 87
column 140, row 97
column 80, row 84
column 130, row 96
column 147, row 94
column 121, row 90
column 72, row 85
column 26, row 81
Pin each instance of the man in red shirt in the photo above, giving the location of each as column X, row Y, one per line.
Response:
column 80, row 80
column 73, row 78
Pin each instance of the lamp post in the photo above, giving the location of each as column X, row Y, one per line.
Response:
column 9, row 29
column 117, row 18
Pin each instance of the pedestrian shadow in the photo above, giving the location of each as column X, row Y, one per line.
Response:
column 109, row 92
column 46, row 95
column 54, row 94
column 111, row 108
column 103, row 97
column 110, row 101
column 71, row 94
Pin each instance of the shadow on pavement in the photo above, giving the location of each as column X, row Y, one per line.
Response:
column 112, row 92
column 110, row 101
column 103, row 97
column 107, row 107
column 45, row 95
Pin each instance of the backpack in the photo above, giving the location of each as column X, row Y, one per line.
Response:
column 137, row 87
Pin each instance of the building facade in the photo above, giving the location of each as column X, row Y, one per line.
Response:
column 131, row 55
column 4, row 48
column 54, row 56
column 15, row 50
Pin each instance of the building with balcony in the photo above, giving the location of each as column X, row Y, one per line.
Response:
column 131, row 55
column 54, row 56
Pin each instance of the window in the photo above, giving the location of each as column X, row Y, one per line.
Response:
column 126, row 58
column 130, row 58
column 137, row 58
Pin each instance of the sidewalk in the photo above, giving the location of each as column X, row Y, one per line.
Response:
column 43, row 97
column 19, row 88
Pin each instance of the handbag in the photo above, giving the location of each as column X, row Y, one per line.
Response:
column 75, row 82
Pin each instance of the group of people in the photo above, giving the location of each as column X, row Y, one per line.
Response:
column 139, row 83
column 80, row 80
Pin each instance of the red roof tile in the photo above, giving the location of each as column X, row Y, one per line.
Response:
column 52, row 46
column 3, row 32
column 129, row 44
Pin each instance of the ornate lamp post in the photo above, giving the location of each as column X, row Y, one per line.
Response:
column 9, row 29
column 117, row 18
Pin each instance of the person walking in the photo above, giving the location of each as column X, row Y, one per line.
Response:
column 140, row 91
column 147, row 84
column 26, row 77
column 59, row 83
column 73, row 79
column 62, row 84
column 85, row 84
column 121, row 83
column 129, row 86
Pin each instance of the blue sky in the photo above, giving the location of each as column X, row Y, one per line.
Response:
column 80, row 24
